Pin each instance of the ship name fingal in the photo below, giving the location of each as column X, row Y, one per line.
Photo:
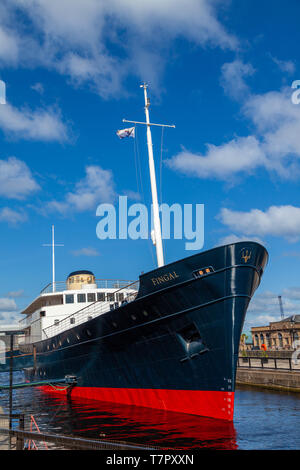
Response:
column 165, row 278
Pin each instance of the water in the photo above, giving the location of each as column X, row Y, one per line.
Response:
column 263, row 420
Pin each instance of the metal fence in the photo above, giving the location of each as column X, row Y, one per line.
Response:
column 60, row 286
column 273, row 363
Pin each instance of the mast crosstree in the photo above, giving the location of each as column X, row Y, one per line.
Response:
column 156, row 234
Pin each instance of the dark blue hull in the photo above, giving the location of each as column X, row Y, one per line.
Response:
column 175, row 347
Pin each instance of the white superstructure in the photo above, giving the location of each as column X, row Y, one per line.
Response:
column 78, row 300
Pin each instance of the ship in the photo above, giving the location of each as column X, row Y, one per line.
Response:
column 168, row 341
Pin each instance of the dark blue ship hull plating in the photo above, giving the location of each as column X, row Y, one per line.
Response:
column 175, row 347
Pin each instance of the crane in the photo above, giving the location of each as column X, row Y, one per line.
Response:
column 281, row 307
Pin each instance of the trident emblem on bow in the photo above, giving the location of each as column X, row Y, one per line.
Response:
column 246, row 255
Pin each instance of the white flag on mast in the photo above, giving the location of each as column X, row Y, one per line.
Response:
column 126, row 133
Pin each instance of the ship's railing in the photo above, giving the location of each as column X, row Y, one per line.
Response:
column 60, row 286
column 91, row 311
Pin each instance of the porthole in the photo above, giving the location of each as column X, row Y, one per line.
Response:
column 68, row 340
column 145, row 313
column 115, row 325
column 133, row 317
column 78, row 337
column 88, row 333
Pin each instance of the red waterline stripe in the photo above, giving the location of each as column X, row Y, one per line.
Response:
column 213, row 404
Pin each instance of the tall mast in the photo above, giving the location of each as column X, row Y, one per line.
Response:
column 156, row 219
column 156, row 235
column 53, row 260
column 53, row 245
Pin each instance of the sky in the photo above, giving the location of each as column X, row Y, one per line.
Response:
column 221, row 71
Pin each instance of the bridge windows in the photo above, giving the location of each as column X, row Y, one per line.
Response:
column 101, row 296
column 110, row 297
column 91, row 297
column 81, row 298
column 69, row 298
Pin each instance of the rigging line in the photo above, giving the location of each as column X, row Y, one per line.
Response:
column 142, row 191
column 160, row 172
column 135, row 162
column 160, row 164
column 139, row 167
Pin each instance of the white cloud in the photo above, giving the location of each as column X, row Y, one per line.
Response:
column 15, row 294
column 234, row 239
column 284, row 65
column 292, row 293
column 72, row 36
column 9, row 47
column 9, row 319
column 264, row 307
column 11, row 216
column 86, row 252
column 41, row 124
column 38, row 87
column 16, row 180
column 278, row 221
column 274, row 145
column 7, row 305
column 232, row 78
column 96, row 187
column 242, row 154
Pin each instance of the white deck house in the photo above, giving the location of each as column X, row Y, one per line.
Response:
column 63, row 305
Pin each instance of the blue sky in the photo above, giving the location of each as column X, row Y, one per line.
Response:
column 220, row 70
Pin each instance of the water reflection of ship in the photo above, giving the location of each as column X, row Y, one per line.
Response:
column 102, row 420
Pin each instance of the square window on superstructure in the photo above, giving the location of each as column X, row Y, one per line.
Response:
column 69, row 298
column 110, row 297
column 81, row 298
column 91, row 297
column 120, row 296
column 101, row 296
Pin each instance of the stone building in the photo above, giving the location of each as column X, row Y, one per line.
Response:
column 278, row 335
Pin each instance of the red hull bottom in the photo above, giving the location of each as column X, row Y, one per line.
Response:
column 211, row 404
